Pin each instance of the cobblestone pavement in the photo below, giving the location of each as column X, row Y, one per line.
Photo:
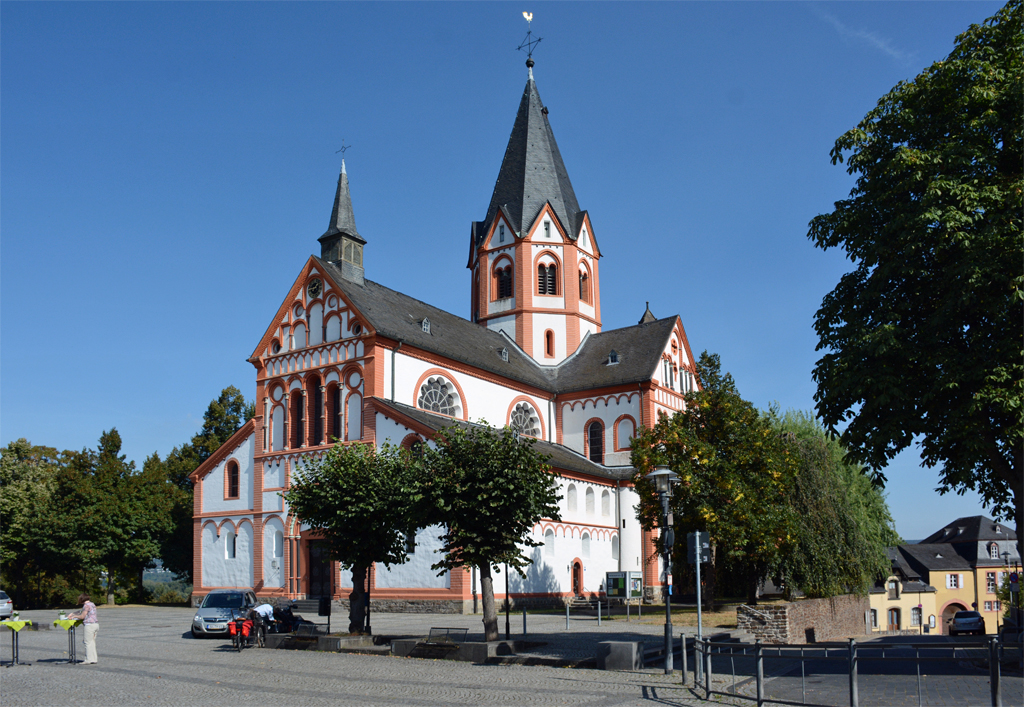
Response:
column 147, row 657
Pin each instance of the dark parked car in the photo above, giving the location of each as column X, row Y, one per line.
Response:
column 219, row 607
column 967, row 622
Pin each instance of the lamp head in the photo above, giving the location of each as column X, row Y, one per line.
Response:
column 663, row 478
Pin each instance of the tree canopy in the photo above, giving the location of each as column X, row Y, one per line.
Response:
column 922, row 340
column 361, row 504
column 488, row 488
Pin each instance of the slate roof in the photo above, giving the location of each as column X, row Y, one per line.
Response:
column 532, row 173
column 343, row 219
column 561, row 457
column 398, row 316
column 971, row 529
column 931, row 557
column 910, row 578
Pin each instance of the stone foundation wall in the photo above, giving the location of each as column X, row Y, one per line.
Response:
column 805, row 621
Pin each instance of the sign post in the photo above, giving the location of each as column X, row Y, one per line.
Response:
column 698, row 550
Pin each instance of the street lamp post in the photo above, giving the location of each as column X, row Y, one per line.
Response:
column 662, row 477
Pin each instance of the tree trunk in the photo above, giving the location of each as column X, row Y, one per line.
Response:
column 110, row 587
column 357, row 600
column 490, row 611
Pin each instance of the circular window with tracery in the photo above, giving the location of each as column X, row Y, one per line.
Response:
column 438, row 395
column 525, row 420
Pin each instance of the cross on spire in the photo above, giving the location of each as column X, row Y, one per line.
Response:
column 529, row 43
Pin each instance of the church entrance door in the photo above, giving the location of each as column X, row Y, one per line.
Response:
column 577, row 578
column 319, row 573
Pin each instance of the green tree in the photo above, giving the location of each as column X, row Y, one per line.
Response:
column 488, row 488
column 360, row 505
column 843, row 523
column 735, row 472
column 106, row 516
column 27, row 481
column 922, row 339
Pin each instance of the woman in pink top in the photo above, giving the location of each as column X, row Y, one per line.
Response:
column 92, row 627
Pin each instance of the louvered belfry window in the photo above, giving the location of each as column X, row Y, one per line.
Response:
column 504, row 283
column 547, row 278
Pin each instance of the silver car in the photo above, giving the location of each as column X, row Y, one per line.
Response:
column 218, row 608
column 967, row 622
column 6, row 607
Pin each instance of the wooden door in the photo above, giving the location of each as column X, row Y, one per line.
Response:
column 319, row 573
column 577, row 578
column 894, row 620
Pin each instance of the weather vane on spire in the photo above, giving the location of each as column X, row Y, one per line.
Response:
column 529, row 42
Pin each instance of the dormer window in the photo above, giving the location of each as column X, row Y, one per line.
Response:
column 613, row 357
column 501, row 234
column 993, row 551
column 426, row 325
column 504, row 355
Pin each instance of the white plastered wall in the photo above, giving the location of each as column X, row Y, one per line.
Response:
column 557, row 324
column 213, row 483
column 273, row 553
column 218, row 569
column 607, row 409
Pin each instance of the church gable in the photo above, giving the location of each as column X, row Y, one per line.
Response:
column 314, row 312
column 547, row 228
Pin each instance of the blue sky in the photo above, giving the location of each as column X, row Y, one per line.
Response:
column 168, row 167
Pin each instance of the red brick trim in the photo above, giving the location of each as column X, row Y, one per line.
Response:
column 249, row 428
column 238, row 470
column 619, row 446
column 586, row 438
column 536, row 408
column 448, row 376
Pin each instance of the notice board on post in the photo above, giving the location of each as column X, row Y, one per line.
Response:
column 624, row 585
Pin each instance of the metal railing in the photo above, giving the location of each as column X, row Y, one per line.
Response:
column 852, row 654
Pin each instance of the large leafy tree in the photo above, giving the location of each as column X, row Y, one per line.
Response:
column 488, row 488
column 922, row 339
column 361, row 505
column 735, row 471
column 843, row 525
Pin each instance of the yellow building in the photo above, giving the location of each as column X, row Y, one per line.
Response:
column 903, row 602
column 962, row 565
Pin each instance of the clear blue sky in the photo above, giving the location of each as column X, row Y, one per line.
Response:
column 168, row 167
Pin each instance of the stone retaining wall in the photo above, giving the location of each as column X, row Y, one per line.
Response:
column 805, row 621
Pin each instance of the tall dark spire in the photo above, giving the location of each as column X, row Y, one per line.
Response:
column 342, row 218
column 342, row 242
column 532, row 171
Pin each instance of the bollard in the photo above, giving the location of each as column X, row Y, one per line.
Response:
column 524, row 620
column 854, row 702
column 682, row 640
column 760, row 672
column 707, row 668
column 567, row 617
column 599, row 611
column 994, row 673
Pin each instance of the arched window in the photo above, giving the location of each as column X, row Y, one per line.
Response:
column 584, row 287
column 595, row 442
column 586, row 544
column 549, row 542
column 295, row 424
column 570, row 498
column 525, row 419
column 590, row 501
column 230, row 544
column 299, row 336
column 439, row 395
column 277, row 422
column 232, row 480
column 503, row 282
column 549, row 343
column 993, row 551
column 337, row 418
column 606, row 503
column 615, row 547
column 547, row 279
column 915, row 616
column 278, row 543
column 315, row 410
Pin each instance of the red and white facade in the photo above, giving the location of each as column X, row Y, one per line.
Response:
column 346, row 358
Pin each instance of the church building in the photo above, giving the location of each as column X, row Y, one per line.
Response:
column 348, row 358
